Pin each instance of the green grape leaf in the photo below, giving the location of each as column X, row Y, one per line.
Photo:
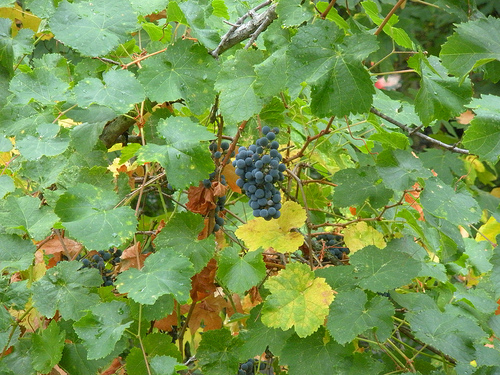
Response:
column 380, row 270
column 294, row 12
column 6, row 48
column 47, row 348
column 75, row 361
column 148, row 7
column 446, row 164
column 442, row 201
column 240, row 273
column 65, row 287
column 88, row 213
column 198, row 15
column 17, row 260
column 120, row 91
column 184, row 158
column 351, row 314
column 236, row 83
column 165, row 365
column 256, row 330
column 218, row 352
column 6, row 185
column 164, row 272
column 356, row 185
column 277, row 233
column 47, row 142
column 41, row 85
column 185, row 71
column 271, row 74
column 482, row 137
column 297, row 299
column 24, row 215
column 400, row 169
column 93, row 29
column 102, row 327
column 439, row 329
column 471, row 46
column 440, row 97
column 180, row 235
column 333, row 67
column 161, row 344
column 398, row 35
column 319, row 354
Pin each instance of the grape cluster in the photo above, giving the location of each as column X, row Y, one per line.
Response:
column 217, row 154
column 334, row 244
column 259, row 168
column 100, row 260
column 250, row 366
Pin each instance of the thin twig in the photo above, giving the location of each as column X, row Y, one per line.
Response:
column 389, row 15
column 309, row 140
column 328, row 8
column 451, row 148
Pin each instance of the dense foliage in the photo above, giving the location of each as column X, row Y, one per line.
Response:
column 226, row 186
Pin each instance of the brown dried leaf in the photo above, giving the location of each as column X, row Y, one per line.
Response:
column 202, row 284
column 71, row 248
column 132, row 257
column 231, row 177
column 200, row 200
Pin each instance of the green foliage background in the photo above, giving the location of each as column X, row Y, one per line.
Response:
column 411, row 188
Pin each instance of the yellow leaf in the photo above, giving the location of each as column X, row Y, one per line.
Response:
column 298, row 299
column 276, row 233
column 360, row 235
column 490, row 230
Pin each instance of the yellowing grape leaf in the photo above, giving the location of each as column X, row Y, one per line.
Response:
column 276, row 233
column 297, row 299
column 360, row 235
column 490, row 230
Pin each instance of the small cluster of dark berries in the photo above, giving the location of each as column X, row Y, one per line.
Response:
column 333, row 243
column 251, row 367
column 100, row 260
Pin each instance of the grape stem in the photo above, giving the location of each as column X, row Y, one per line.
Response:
column 309, row 140
column 451, row 148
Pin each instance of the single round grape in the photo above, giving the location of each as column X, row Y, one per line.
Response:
column 277, row 215
column 241, row 163
column 276, row 130
column 85, row 262
column 256, row 213
column 264, row 213
column 106, row 256
column 108, row 283
column 219, row 220
column 240, row 182
column 259, row 193
column 271, row 136
column 275, row 145
column 217, row 154
column 212, row 147
column 268, row 178
column 282, row 167
column 252, row 189
column 266, row 159
column 224, row 145
column 266, row 129
column 259, row 175
column 263, row 142
column 96, row 258
column 207, row 183
column 259, row 164
column 262, row 201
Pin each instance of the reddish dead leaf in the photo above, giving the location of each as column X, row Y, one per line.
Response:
column 66, row 246
column 251, row 300
column 115, row 365
column 200, row 200
column 202, row 284
column 132, row 257
column 411, row 198
column 205, row 232
column 231, row 177
column 166, row 324
column 219, row 189
column 466, row 117
column 208, row 313
column 57, row 371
